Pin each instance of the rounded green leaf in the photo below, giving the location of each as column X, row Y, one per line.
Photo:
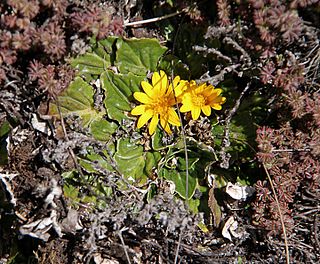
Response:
column 118, row 89
column 77, row 100
column 138, row 56
column 96, row 61
column 179, row 179
column 90, row 63
column 134, row 163
column 102, row 129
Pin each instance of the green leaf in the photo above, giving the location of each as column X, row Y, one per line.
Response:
column 118, row 90
column 138, row 56
column 152, row 159
column 179, row 179
column 152, row 192
column 191, row 162
column 135, row 164
column 69, row 175
column 156, row 140
column 75, row 197
column 102, row 129
column 90, row 63
column 77, row 100
column 177, row 174
column 170, row 2
column 193, row 205
column 96, row 61
column 175, row 166
column 241, row 135
column 104, row 48
column 74, row 190
column 71, row 192
column 93, row 161
column 203, row 227
column 4, row 131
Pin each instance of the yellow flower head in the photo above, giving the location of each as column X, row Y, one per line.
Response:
column 158, row 101
column 197, row 98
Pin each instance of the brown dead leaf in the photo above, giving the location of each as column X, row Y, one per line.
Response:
column 214, row 207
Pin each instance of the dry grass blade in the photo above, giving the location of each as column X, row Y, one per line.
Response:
column 155, row 19
column 280, row 214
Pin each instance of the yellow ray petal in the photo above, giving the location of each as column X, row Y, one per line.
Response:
column 214, row 93
column 216, row 106
column 138, row 110
column 195, row 112
column 160, row 83
column 209, row 92
column 164, row 83
column 155, row 78
column 180, row 88
column 176, row 81
column 144, row 118
column 206, row 110
column 147, row 88
column 186, row 108
column 142, row 98
column 163, row 121
column 201, row 88
column 218, row 91
column 167, row 129
column 174, row 118
column 217, row 100
column 153, row 124
column 171, row 88
column 214, row 97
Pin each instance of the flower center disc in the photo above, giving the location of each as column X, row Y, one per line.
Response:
column 199, row 100
column 161, row 106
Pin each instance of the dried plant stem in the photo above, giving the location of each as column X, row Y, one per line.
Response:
column 73, row 156
column 61, row 119
column 178, row 248
column 155, row 19
column 184, row 138
column 183, row 133
column 220, row 76
column 237, row 47
column 185, row 148
column 292, row 150
column 280, row 214
column 226, row 134
column 124, row 245
column 213, row 51
column 315, row 230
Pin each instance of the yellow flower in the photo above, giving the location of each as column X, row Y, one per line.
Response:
column 158, row 101
column 197, row 98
